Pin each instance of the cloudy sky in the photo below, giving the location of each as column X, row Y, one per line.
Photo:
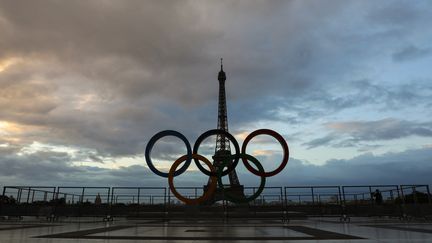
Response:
column 85, row 84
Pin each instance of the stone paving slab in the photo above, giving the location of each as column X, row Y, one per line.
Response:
column 122, row 230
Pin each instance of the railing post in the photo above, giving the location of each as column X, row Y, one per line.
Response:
column 58, row 192
column 165, row 203
column 402, row 193
column 169, row 198
column 112, row 195
column 429, row 195
column 19, row 195
column 414, row 192
column 164, row 196
column 108, row 195
column 253, row 193
column 82, row 195
column 281, row 196
column 313, row 196
column 398, row 193
column 370, row 193
column 28, row 194
column 343, row 194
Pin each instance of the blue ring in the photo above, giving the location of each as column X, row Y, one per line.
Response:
column 152, row 142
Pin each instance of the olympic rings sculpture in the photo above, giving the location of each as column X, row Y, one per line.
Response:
column 214, row 173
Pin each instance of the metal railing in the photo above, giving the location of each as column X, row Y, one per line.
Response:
column 288, row 195
column 398, row 200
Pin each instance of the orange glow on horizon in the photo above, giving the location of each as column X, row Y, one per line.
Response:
column 241, row 136
column 4, row 64
column 8, row 127
column 262, row 152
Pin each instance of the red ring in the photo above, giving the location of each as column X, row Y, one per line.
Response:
column 282, row 142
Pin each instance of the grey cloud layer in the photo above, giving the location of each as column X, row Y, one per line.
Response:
column 348, row 134
column 409, row 167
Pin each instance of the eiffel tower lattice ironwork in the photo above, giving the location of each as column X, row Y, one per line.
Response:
column 223, row 149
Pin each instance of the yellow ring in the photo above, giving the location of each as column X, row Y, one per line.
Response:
column 207, row 194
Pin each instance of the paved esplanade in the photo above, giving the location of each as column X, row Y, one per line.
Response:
column 122, row 230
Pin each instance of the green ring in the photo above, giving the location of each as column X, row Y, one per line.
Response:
column 256, row 163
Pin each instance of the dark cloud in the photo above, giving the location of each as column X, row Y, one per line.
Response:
column 411, row 53
column 397, row 13
column 319, row 141
column 94, row 158
column 41, row 166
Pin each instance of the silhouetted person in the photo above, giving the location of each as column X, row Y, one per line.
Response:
column 98, row 200
column 12, row 200
column 377, row 197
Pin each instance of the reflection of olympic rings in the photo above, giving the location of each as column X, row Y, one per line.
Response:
column 216, row 174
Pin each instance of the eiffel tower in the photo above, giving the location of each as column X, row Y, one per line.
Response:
column 223, row 149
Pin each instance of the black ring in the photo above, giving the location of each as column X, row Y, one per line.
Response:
column 209, row 133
